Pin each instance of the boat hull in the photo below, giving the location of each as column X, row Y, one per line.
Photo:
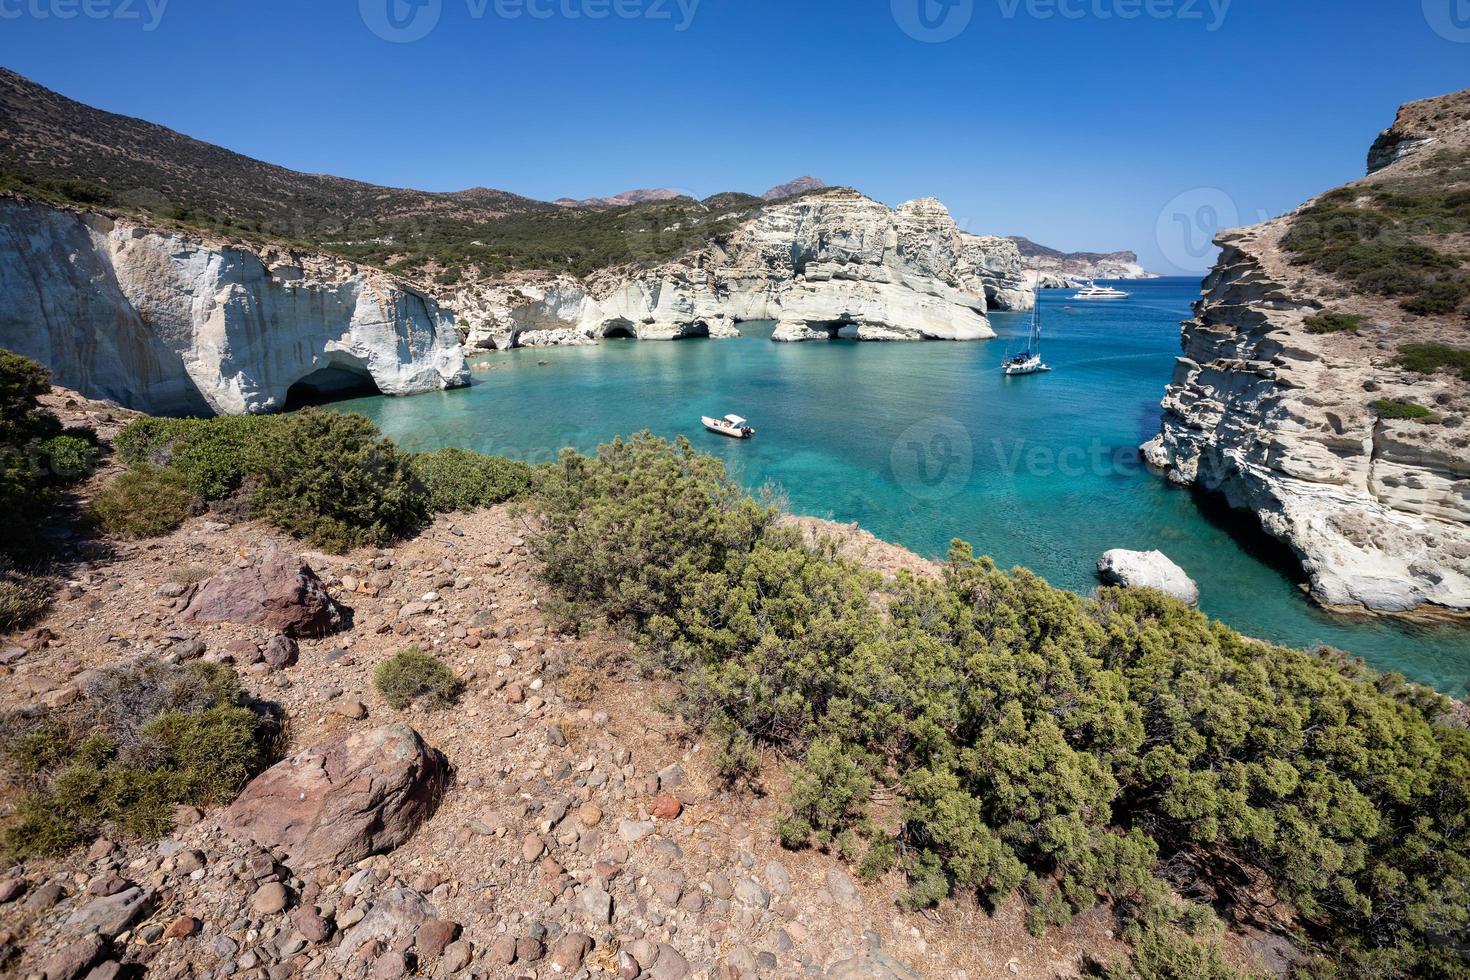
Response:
column 725, row 430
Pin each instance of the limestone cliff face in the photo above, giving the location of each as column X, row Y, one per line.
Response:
column 170, row 323
column 1282, row 422
column 831, row 265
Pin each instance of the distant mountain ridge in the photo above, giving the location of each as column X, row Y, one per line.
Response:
column 800, row 185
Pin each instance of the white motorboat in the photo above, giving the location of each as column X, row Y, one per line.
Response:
column 1093, row 291
column 731, row 425
column 1029, row 360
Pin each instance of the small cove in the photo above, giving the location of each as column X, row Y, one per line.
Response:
column 924, row 442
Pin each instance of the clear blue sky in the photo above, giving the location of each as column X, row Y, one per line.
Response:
column 1078, row 131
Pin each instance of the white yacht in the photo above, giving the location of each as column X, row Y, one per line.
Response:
column 731, row 425
column 1093, row 291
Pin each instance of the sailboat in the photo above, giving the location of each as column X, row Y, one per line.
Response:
column 1029, row 360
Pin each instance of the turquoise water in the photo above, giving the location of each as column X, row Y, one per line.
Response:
column 924, row 442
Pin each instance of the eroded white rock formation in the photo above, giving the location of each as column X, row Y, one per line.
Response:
column 1283, row 423
column 1147, row 570
column 837, row 264
column 175, row 324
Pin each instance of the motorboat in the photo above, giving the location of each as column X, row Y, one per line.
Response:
column 731, row 425
column 1093, row 291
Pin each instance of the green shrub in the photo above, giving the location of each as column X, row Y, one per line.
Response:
column 22, row 598
column 144, row 502
column 69, row 457
column 1170, row 953
column 1036, row 740
column 329, row 478
column 458, row 479
column 1389, row 408
column 213, row 455
column 25, row 496
column 412, row 674
column 1429, row 358
column 1328, row 322
column 144, row 738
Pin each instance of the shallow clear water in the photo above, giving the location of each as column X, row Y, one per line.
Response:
column 924, row 442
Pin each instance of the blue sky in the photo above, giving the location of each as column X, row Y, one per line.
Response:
column 1084, row 124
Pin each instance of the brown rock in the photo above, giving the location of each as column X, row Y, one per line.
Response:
column 457, row 956
column 590, row 814
column 514, row 694
column 108, row 884
column 11, row 889
column 568, row 953
column 532, row 848
column 666, row 807
column 281, row 651
column 72, row 960
column 432, row 938
column 309, row 922
column 184, row 925
column 279, row 592
column 529, row 950
column 269, row 898
column 342, row 800
column 355, row 710
column 503, row 950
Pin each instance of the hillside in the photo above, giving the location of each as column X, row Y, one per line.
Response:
column 58, row 150
column 1080, row 265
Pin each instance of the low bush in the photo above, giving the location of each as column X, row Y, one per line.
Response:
column 144, row 502
column 1388, row 408
column 213, row 455
column 411, row 674
column 1037, row 742
column 26, row 494
column 144, row 738
column 22, row 598
column 331, row 479
column 1429, row 358
column 1329, row 322
column 458, row 479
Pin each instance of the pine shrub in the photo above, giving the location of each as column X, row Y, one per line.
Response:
column 411, row 674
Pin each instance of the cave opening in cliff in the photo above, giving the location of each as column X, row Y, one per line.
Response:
column 836, row 329
column 619, row 330
column 330, row 384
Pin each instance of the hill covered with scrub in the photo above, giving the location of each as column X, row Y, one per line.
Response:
column 972, row 741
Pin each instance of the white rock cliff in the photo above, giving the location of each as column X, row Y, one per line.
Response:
column 170, row 323
column 825, row 266
column 1282, row 422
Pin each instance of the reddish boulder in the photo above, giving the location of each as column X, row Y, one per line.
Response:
column 342, row 800
column 279, row 592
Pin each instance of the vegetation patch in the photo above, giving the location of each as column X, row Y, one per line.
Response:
column 1121, row 750
column 1329, row 322
column 458, row 479
column 144, row 738
column 23, row 597
column 1391, row 408
column 212, row 455
column 333, row 480
column 36, row 456
column 1429, row 358
column 1374, row 237
column 144, row 502
column 412, row 674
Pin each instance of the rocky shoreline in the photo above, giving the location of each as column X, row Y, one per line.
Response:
column 1286, row 419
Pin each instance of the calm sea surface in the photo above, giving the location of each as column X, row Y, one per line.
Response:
column 925, row 442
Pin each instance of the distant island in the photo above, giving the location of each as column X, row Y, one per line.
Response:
column 1054, row 269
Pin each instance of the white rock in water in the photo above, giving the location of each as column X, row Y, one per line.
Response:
column 1147, row 570
column 172, row 323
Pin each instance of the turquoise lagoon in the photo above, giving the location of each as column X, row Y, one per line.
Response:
column 924, row 442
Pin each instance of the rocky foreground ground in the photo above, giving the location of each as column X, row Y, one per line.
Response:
column 554, row 823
